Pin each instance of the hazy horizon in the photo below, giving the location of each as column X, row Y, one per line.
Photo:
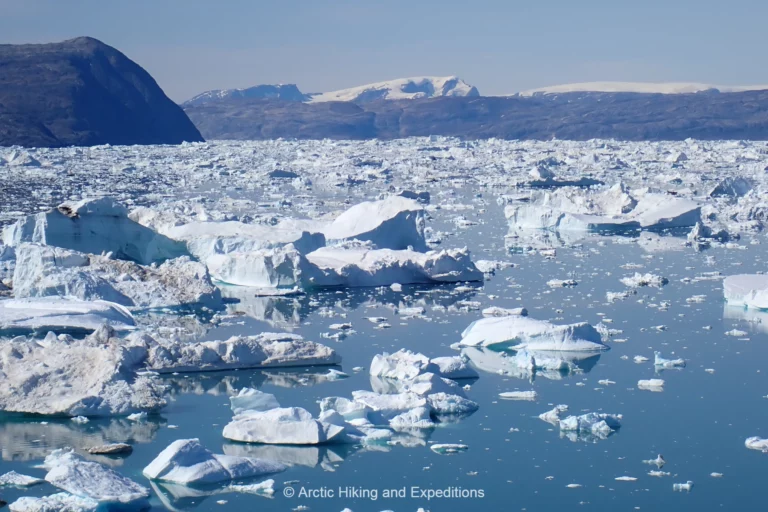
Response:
column 499, row 47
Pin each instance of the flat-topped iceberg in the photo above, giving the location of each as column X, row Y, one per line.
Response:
column 62, row 314
column 91, row 480
column 187, row 462
column 352, row 267
column 746, row 290
column 265, row 350
column 94, row 226
column 520, row 332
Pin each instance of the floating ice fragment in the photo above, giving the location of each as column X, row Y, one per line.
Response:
column 667, row 363
column 651, row 384
column 15, row 479
column 519, row 395
column 448, row 448
column 686, row 487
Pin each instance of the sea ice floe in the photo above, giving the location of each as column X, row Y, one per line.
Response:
column 651, row 384
column 519, row 395
column 448, row 448
column 638, row 280
column 59, row 502
column 661, row 362
column 14, row 479
column 187, row 462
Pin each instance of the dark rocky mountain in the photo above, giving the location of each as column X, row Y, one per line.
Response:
column 576, row 116
column 285, row 92
column 83, row 92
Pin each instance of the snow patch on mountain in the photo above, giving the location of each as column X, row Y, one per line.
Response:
column 640, row 87
column 402, row 89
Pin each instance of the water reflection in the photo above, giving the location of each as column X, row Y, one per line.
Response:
column 24, row 440
column 756, row 320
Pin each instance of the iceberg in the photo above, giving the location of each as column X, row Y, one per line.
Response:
column 14, row 479
column 249, row 399
column 62, row 314
column 403, row 364
column 757, row 443
column 187, row 462
column 661, row 362
column 291, row 425
column 393, row 223
column 94, row 226
column 91, row 480
column 746, row 290
column 59, row 502
column 353, row 267
column 76, row 378
column 519, row 332
column 265, row 350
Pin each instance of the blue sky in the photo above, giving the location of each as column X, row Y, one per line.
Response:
column 500, row 46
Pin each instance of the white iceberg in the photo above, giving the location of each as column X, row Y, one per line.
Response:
column 94, row 226
column 448, row 448
column 651, row 384
column 403, row 364
column 662, row 362
column 746, row 290
column 91, row 480
column 283, row 425
column 249, row 399
column 59, row 502
column 598, row 424
column 187, row 462
column 353, row 267
column 62, row 314
column 93, row 377
column 757, row 443
column 14, row 479
column 393, row 223
column 265, row 350
column 520, row 332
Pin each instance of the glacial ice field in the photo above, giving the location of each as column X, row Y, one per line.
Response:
column 418, row 324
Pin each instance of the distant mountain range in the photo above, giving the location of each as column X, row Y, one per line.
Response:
column 82, row 92
column 569, row 115
column 398, row 89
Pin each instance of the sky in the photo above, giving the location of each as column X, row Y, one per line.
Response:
column 500, row 46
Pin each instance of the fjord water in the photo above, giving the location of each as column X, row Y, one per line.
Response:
column 699, row 422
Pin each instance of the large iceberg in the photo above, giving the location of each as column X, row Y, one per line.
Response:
column 92, row 377
column 520, row 332
column 368, row 267
column 186, row 461
column 393, row 223
column 746, row 290
column 94, row 226
column 62, row 314
column 265, row 350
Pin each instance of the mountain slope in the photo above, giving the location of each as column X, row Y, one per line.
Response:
column 401, row 89
column 285, row 92
column 83, row 92
column 574, row 116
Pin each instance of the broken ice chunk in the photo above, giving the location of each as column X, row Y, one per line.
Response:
column 686, row 487
column 283, row 425
column 651, row 384
column 186, row 461
column 756, row 443
column 61, row 314
column 518, row 395
column 59, row 502
column 448, row 448
column 667, row 363
column 524, row 332
column 637, row 280
column 18, row 480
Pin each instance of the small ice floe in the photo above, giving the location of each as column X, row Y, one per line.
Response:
column 590, row 426
column 111, row 449
column 497, row 311
column 757, row 443
column 137, row 416
column 573, row 486
column 686, row 487
column 658, row 461
column 80, row 420
column 651, row 385
column 14, row 479
column 561, row 283
column 448, row 448
column 340, row 327
column 640, row 359
column 625, row 479
column 518, row 395
column 716, row 475
column 605, row 382
column 553, row 416
column 638, row 280
column 736, row 333
column 62, row 501
column 661, row 362
column 658, row 473
column 614, row 296
column 265, row 488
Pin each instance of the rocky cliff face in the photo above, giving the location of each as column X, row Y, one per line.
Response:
column 83, row 92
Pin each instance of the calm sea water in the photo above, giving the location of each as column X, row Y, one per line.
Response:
column 699, row 422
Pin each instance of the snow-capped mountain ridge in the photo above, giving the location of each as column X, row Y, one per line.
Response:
column 287, row 92
column 401, row 89
column 640, row 87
